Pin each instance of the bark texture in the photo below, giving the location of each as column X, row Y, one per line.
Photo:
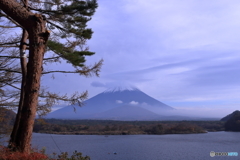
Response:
column 23, row 61
column 35, row 25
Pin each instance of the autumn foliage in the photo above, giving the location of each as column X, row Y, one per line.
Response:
column 6, row 154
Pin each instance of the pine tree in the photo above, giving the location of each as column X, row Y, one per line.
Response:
column 66, row 22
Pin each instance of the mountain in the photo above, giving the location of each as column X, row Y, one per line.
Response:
column 226, row 118
column 127, row 112
column 109, row 101
column 232, row 121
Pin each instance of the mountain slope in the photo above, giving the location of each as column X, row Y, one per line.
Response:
column 226, row 118
column 124, row 97
column 127, row 112
column 107, row 100
column 232, row 121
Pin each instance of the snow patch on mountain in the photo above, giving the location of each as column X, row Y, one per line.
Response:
column 121, row 88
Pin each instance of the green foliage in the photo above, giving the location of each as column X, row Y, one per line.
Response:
column 76, row 58
column 66, row 23
column 71, row 20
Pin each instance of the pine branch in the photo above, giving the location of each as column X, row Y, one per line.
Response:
column 8, row 104
column 9, row 26
column 13, row 86
column 53, row 98
column 59, row 72
column 10, row 46
column 57, row 26
column 10, row 71
column 10, row 57
column 8, row 43
column 9, row 18
column 46, row 59
column 9, row 97
column 90, row 70
column 86, row 70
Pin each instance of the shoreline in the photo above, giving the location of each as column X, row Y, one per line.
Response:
column 86, row 127
column 117, row 133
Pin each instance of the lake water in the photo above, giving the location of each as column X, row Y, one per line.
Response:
column 143, row 147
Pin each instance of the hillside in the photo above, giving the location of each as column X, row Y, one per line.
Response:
column 232, row 121
column 226, row 118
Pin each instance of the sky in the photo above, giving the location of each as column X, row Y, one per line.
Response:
column 185, row 53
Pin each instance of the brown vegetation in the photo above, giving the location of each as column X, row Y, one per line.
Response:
column 7, row 154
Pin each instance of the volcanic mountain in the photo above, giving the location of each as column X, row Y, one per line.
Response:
column 117, row 103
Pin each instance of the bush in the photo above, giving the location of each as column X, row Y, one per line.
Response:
column 76, row 156
column 7, row 154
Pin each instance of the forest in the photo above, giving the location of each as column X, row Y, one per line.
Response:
column 110, row 127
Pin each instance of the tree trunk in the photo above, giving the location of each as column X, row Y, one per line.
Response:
column 23, row 62
column 34, row 71
column 38, row 36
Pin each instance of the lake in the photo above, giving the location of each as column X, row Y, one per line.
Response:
column 143, row 147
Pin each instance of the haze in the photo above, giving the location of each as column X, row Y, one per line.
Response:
column 183, row 53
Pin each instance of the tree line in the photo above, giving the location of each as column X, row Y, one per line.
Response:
column 105, row 127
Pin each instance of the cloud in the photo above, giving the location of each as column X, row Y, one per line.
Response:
column 133, row 103
column 97, row 84
column 112, row 84
column 119, row 101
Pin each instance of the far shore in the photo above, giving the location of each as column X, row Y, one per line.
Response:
column 116, row 133
column 108, row 127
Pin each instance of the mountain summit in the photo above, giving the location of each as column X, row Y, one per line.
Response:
column 121, row 88
column 112, row 101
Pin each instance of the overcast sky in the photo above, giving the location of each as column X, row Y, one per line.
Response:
column 185, row 53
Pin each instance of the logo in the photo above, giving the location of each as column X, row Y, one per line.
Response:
column 212, row 153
